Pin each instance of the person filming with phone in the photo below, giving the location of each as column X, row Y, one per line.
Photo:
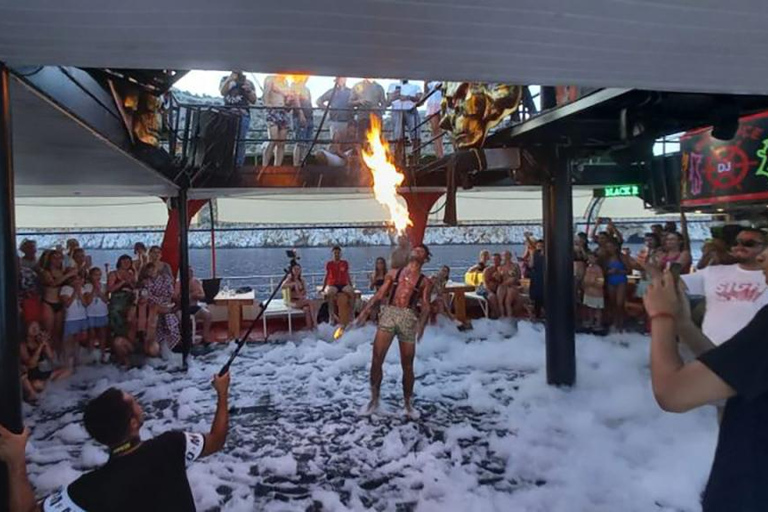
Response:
column 735, row 370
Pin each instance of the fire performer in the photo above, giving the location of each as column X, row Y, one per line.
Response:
column 403, row 293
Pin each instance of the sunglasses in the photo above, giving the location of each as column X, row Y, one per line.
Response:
column 749, row 244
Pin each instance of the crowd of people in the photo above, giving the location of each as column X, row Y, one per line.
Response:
column 73, row 312
column 289, row 106
column 730, row 352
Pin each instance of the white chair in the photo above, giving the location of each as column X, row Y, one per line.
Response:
column 480, row 299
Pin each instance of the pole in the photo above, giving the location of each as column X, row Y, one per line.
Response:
column 262, row 309
column 213, row 239
column 559, row 296
column 10, row 386
column 186, row 327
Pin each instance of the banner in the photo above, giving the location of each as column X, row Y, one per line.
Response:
column 717, row 172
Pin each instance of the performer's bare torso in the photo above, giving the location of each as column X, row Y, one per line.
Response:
column 275, row 92
column 409, row 279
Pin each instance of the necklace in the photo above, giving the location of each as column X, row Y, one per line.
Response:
column 127, row 446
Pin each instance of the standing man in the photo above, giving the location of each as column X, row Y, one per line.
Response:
column 276, row 96
column 402, row 97
column 303, row 122
column 401, row 255
column 734, row 293
column 369, row 99
column 140, row 475
column 239, row 94
column 337, row 101
column 337, row 281
column 404, row 291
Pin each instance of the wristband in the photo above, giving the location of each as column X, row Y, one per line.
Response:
column 663, row 314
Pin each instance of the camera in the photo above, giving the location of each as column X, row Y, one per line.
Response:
column 293, row 256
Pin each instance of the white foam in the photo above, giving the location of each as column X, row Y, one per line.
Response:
column 492, row 435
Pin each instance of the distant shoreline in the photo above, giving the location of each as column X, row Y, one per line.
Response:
column 239, row 236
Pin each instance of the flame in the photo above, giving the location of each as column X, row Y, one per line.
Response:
column 338, row 332
column 294, row 79
column 386, row 177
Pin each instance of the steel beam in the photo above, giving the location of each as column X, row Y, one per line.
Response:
column 186, row 321
column 10, row 385
column 559, row 295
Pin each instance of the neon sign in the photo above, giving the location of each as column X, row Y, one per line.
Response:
column 618, row 191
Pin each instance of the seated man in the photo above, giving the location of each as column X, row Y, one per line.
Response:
column 337, row 281
column 482, row 261
column 197, row 305
column 140, row 475
column 492, row 278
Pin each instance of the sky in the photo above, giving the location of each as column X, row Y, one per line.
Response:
column 207, row 82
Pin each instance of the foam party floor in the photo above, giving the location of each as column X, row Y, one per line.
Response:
column 492, row 435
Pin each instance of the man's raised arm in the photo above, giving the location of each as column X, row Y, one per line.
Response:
column 214, row 440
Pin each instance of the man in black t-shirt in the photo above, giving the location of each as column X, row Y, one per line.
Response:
column 139, row 476
column 239, row 92
column 737, row 370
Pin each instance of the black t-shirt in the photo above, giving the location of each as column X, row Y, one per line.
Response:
column 739, row 478
column 236, row 95
column 152, row 478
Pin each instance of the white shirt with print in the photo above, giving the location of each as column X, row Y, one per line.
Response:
column 408, row 89
column 733, row 295
column 76, row 310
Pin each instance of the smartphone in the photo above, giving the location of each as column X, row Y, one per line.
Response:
column 675, row 269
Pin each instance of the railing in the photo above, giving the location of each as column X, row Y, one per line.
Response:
column 183, row 125
column 264, row 284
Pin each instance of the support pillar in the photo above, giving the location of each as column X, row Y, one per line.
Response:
column 10, row 387
column 186, row 321
column 559, row 296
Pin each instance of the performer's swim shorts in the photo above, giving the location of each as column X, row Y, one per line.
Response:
column 399, row 321
column 278, row 117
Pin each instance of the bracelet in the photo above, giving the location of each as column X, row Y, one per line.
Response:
column 663, row 314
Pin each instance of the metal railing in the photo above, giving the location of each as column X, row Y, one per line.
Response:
column 183, row 127
column 263, row 284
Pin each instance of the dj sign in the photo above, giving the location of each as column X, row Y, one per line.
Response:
column 716, row 171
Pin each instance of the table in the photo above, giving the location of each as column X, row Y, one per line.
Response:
column 234, row 303
column 459, row 299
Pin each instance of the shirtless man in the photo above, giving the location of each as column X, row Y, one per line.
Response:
column 492, row 278
column 276, row 96
column 401, row 254
column 403, row 291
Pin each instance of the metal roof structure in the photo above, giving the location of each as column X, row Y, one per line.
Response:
column 677, row 45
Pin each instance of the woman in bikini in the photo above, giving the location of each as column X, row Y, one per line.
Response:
column 37, row 363
column 52, row 276
column 377, row 280
column 440, row 299
column 297, row 291
column 378, row 275
column 674, row 252
column 509, row 289
column 617, row 267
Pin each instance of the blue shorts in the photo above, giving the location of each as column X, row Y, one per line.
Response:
column 408, row 120
column 303, row 134
column 96, row 322
column 72, row 327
